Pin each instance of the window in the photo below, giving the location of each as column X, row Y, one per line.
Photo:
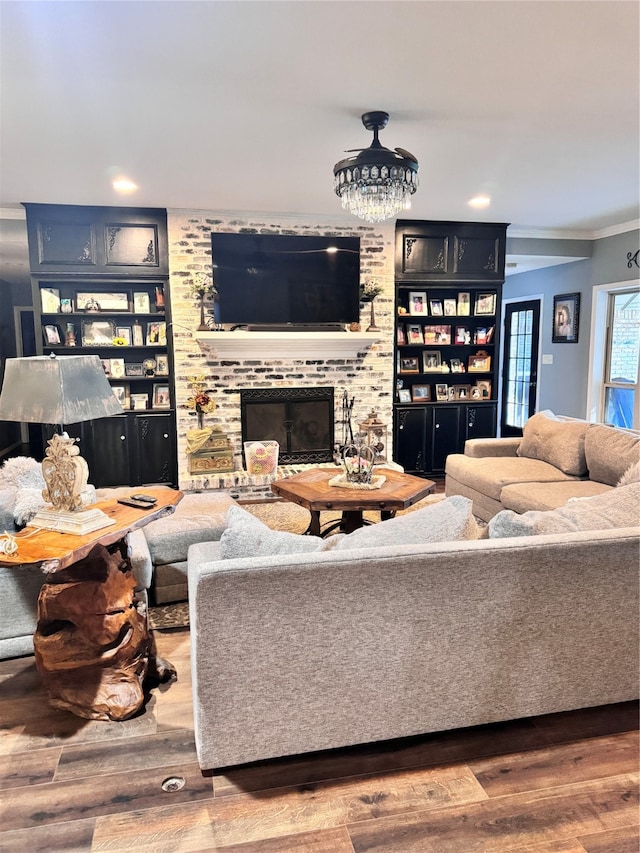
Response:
column 619, row 401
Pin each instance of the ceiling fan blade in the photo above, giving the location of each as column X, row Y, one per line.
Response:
column 404, row 153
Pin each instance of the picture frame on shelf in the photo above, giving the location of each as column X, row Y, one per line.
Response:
column 442, row 392
column 450, row 307
column 456, row 365
column 480, row 362
column 98, row 333
column 566, row 316
column 463, row 392
column 159, row 292
column 414, row 334
column 137, row 336
column 156, row 334
column 401, row 336
column 464, row 304
column 112, row 301
column 124, row 332
column 117, row 368
column 161, row 398
column 409, row 364
column 480, row 336
column 50, row 300
column 462, row 336
column 437, row 335
column 141, row 302
column 122, row 395
column 404, row 395
column 435, row 307
column 162, row 365
column 51, row 334
column 431, row 361
column 485, row 304
column 451, row 393
column 133, row 368
column 484, row 386
column 476, row 394
column 418, row 303
column 106, row 366
column 421, row 393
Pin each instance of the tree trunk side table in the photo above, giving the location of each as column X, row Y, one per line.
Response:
column 93, row 647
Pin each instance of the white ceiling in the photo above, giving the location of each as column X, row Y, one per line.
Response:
column 247, row 105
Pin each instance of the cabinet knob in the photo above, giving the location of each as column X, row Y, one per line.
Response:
column 165, row 435
column 437, row 426
column 122, row 437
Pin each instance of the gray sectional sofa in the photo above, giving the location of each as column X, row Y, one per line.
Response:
column 557, row 458
column 299, row 645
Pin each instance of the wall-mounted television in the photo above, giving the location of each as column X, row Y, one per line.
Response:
column 286, row 281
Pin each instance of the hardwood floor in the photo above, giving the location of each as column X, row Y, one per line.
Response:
column 564, row 783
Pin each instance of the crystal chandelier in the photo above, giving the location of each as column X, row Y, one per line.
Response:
column 377, row 183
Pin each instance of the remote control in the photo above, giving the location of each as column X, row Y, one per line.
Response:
column 136, row 504
column 146, row 498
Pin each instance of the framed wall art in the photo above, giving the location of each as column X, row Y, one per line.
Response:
column 418, row 303
column 566, row 316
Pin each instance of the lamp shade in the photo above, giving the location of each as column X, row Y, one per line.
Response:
column 49, row 390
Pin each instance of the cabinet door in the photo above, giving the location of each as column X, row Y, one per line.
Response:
column 478, row 253
column 105, row 446
column 153, row 448
column 444, row 435
column 409, row 438
column 481, row 421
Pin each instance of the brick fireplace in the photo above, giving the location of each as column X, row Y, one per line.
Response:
column 367, row 375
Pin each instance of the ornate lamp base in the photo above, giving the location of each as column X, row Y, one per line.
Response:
column 79, row 522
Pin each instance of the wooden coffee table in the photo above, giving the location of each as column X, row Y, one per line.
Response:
column 311, row 489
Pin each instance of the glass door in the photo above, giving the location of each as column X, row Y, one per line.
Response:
column 520, row 365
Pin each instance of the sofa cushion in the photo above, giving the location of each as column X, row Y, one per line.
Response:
column 247, row 536
column 631, row 475
column 559, row 442
column 610, row 452
column 448, row 520
column 522, row 497
column 490, row 475
column 614, row 508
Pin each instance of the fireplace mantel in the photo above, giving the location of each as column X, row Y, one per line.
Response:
column 296, row 345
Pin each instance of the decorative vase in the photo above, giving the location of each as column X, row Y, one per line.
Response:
column 372, row 321
column 203, row 326
column 358, row 462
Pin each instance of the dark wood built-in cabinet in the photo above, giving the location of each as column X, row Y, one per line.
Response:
column 448, row 294
column 100, row 279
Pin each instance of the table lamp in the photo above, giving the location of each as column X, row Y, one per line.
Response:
column 59, row 391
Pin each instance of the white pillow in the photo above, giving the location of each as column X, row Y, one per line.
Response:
column 449, row 520
column 247, row 536
column 618, row 507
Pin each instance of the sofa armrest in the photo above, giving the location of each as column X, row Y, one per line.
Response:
column 482, row 447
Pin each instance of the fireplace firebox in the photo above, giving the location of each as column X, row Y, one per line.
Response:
column 301, row 420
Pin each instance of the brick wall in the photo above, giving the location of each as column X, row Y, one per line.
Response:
column 368, row 378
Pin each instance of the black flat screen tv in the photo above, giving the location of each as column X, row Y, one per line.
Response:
column 278, row 280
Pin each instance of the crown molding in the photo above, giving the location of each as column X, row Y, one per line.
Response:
column 577, row 234
column 13, row 213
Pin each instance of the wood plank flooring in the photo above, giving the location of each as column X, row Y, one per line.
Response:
column 563, row 783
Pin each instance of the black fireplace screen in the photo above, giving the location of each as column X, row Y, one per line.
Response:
column 301, row 420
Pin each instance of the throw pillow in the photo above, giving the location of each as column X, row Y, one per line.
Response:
column 448, row 520
column 560, row 443
column 609, row 452
column 631, row 475
column 613, row 509
column 247, row 536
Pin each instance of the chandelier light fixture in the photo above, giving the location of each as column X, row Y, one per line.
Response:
column 377, row 183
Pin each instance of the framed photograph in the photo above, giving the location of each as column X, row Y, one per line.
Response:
column 451, row 394
column 106, row 366
column 450, row 307
column 98, row 333
column 161, row 397
column 117, row 368
column 456, row 365
column 484, row 386
column 480, row 336
column 442, row 391
column 124, row 332
column 121, row 393
column 464, row 304
column 409, row 364
column 462, row 336
column 485, row 303
column 435, row 306
column 401, row 338
column 414, row 334
column 162, row 365
column 480, row 362
column 141, row 302
column 139, row 401
column 137, row 338
column 431, row 360
column 51, row 334
column 50, row 300
column 133, row 369
column 418, row 303
column 89, row 301
column 404, row 395
column 476, row 393
column 462, row 392
column 420, row 393
column 437, row 335
column 156, row 333
column 566, row 316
